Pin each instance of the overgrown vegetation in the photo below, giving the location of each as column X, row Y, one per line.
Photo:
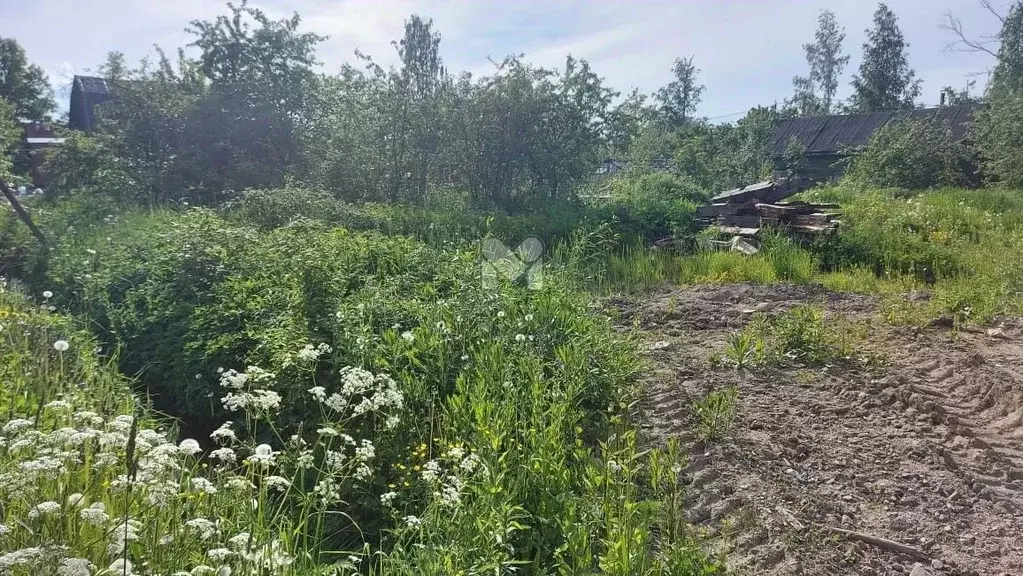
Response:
column 259, row 338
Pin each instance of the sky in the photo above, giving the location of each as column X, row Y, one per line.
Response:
column 747, row 50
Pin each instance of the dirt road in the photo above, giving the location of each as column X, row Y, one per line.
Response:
column 923, row 451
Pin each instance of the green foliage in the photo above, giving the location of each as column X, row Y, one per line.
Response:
column 88, row 165
column 815, row 93
column 885, row 80
column 715, row 413
column 269, row 209
column 914, row 154
column 656, row 205
column 520, row 379
column 10, row 134
column 679, row 99
column 1000, row 138
column 22, row 85
column 745, row 348
column 1008, row 74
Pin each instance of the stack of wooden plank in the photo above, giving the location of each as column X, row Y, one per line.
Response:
column 744, row 211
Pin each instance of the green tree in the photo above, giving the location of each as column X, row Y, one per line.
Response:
column 22, row 84
column 416, row 89
column 1008, row 74
column 885, row 80
column 247, row 131
column 815, row 94
column 679, row 99
column 914, row 154
column 10, row 134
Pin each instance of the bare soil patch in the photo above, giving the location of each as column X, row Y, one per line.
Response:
column 924, row 450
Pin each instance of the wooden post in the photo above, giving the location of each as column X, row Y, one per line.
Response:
column 21, row 212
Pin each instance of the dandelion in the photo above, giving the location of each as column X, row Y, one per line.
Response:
column 76, row 500
column 90, row 251
column 500, row 314
column 47, row 294
column 224, row 571
column 189, row 447
column 520, row 337
column 61, row 346
column 529, row 317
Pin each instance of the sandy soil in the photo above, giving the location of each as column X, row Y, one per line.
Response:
column 924, row 450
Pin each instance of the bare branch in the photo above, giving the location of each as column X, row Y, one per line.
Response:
column 987, row 6
column 964, row 43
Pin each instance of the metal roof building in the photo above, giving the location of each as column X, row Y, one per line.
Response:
column 828, row 139
column 86, row 93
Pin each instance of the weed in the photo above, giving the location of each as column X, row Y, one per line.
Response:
column 745, row 349
column 715, row 413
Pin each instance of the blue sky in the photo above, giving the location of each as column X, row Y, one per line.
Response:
column 748, row 50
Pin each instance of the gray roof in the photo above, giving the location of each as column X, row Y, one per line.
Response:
column 92, row 85
column 832, row 134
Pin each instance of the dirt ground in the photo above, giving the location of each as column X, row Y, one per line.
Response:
column 924, row 450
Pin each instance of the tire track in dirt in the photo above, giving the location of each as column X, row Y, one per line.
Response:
column 926, row 450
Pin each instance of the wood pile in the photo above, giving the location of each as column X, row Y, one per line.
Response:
column 744, row 211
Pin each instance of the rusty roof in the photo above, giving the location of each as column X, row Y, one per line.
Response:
column 832, row 134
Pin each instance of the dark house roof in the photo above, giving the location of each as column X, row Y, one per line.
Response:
column 86, row 93
column 832, row 134
column 39, row 134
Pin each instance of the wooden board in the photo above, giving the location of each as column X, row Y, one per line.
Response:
column 745, row 193
column 742, row 221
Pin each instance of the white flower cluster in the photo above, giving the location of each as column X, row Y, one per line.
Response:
column 250, row 390
column 447, row 486
column 361, row 392
column 310, row 353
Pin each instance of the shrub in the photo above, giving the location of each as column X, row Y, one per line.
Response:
column 655, row 205
column 914, row 154
column 1000, row 139
column 269, row 209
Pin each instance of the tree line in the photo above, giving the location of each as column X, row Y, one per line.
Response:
column 246, row 108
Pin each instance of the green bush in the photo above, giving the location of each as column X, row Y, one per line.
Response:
column 1000, row 139
column 655, row 206
column 914, row 154
column 269, row 209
